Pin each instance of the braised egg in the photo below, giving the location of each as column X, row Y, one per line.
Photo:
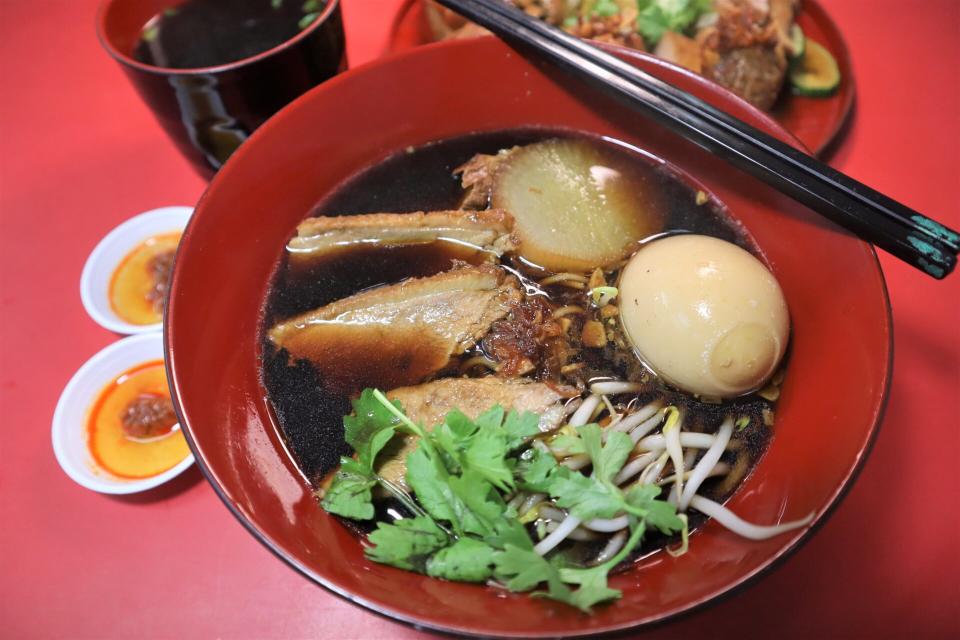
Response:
column 704, row 314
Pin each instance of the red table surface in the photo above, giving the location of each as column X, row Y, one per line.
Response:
column 81, row 153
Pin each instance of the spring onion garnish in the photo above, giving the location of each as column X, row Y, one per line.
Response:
column 602, row 296
column 742, row 423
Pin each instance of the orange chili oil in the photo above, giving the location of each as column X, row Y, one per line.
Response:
column 139, row 284
column 110, row 443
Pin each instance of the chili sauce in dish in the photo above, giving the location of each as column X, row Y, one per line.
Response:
column 131, row 427
column 139, row 284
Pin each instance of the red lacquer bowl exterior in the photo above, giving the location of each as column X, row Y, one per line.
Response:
column 829, row 411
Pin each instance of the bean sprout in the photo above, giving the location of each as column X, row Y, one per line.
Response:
column 671, row 436
column 707, row 462
column 687, row 439
column 577, row 462
column 557, row 536
column 607, row 525
column 530, row 502
column 614, row 387
column 635, row 466
column 734, row 523
column 653, row 471
column 582, row 415
column 613, row 547
column 720, row 469
column 601, row 525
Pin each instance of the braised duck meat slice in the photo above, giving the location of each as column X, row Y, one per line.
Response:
column 428, row 404
column 399, row 334
column 466, row 232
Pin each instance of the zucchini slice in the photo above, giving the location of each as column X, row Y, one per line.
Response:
column 816, row 74
column 798, row 43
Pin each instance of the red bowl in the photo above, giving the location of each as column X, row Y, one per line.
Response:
column 828, row 413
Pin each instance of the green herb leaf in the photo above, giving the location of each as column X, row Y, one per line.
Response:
column 657, row 513
column 535, row 470
column 523, row 569
column 466, row 560
column 370, row 428
column 607, row 458
column 310, row 5
column 483, row 505
column 307, row 20
column 658, row 16
column 430, row 481
column 593, row 590
column 349, row 493
column 486, row 455
column 406, row 544
column 519, row 427
column 584, row 497
column 568, row 443
column 509, row 531
column 604, row 8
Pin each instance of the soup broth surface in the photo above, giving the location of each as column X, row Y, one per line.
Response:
column 207, row 33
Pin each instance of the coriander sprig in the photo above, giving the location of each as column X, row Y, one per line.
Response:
column 460, row 473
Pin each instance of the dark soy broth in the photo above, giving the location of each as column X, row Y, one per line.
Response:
column 207, row 33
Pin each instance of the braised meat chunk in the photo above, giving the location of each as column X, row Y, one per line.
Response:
column 325, row 237
column 399, row 334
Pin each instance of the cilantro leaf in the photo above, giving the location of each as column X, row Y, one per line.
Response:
column 607, row 458
column 370, row 428
column 407, row 543
column 658, row 16
column 520, row 426
column 454, row 434
column 430, row 481
column 492, row 418
column 657, row 513
column 523, row 569
column 466, row 560
column 585, row 497
column 509, row 531
column 593, row 590
column 535, row 470
column 569, row 442
column 486, row 455
column 349, row 494
column 483, row 507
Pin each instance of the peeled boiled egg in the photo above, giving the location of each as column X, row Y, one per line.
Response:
column 704, row 314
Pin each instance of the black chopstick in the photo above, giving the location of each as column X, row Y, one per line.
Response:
column 903, row 232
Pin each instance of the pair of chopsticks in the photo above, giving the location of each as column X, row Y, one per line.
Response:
column 914, row 238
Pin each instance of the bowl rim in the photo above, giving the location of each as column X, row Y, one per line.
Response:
column 101, row 22
column 745, row 581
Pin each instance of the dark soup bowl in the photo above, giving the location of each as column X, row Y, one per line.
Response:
column 834, row 390
column 209, row 109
